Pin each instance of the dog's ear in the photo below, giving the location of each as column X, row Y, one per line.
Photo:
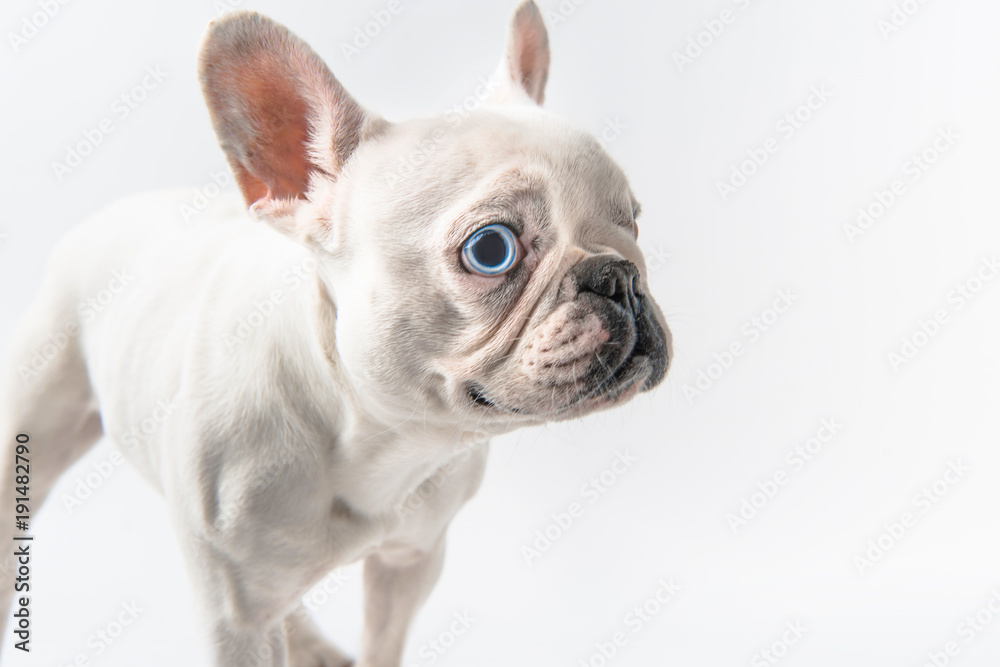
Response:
column 525, row 66
column 280, row 115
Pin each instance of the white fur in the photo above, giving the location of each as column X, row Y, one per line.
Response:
column 300, row 446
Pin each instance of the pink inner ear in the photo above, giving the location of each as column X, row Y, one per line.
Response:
column 266, row 125
column 534, row 64
column 529, row 51
column 277, row 154
column 279, row 113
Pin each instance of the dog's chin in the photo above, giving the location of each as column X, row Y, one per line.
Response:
column 622, row 386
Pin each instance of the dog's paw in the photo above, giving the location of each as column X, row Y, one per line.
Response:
column 307, row 647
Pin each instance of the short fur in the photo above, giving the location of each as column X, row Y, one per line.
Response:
column 310, row 366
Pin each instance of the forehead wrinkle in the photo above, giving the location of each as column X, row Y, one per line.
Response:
column 506, row 193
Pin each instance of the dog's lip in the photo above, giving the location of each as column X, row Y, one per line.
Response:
column 475, row 392
column 625, row 372
column 620, row 384
column 633, row 369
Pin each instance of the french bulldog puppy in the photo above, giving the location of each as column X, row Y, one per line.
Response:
column 310, row 377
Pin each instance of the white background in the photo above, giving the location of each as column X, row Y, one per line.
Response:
column 698, row 456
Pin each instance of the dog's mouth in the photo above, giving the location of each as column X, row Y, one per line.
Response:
column 475, row 393
column 640, row 369
column 624, row 376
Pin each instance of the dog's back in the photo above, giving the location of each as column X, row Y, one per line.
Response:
column 136, row 272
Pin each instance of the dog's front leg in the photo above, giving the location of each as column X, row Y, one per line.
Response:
column 396, row 584
column 244, row 604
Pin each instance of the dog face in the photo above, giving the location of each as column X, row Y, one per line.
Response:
column 484, row 267
column 502, row 278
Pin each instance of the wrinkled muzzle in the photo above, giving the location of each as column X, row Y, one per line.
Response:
column 609, row 288
column 601, row 342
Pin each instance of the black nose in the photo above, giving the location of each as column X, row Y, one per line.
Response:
column 616, row 279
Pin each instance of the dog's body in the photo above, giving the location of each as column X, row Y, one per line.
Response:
column 318, row 386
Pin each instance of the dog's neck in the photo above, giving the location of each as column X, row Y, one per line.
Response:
column 401, row 450
column 368, row 421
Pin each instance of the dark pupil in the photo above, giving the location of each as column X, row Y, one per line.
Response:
column 490, row 249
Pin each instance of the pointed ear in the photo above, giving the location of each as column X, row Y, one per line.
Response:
column 280, row 115
column 525, row 66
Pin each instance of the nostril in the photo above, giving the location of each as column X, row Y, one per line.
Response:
column 610, row 287
column 615, row 279
column 633, row 293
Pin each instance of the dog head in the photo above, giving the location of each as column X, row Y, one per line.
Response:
column 483, row 264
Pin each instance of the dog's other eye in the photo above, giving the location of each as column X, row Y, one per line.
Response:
column 490, row 251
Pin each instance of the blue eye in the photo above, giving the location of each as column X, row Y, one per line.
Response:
column 490, row 251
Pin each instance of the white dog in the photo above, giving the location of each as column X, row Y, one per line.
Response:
column 314, row 383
